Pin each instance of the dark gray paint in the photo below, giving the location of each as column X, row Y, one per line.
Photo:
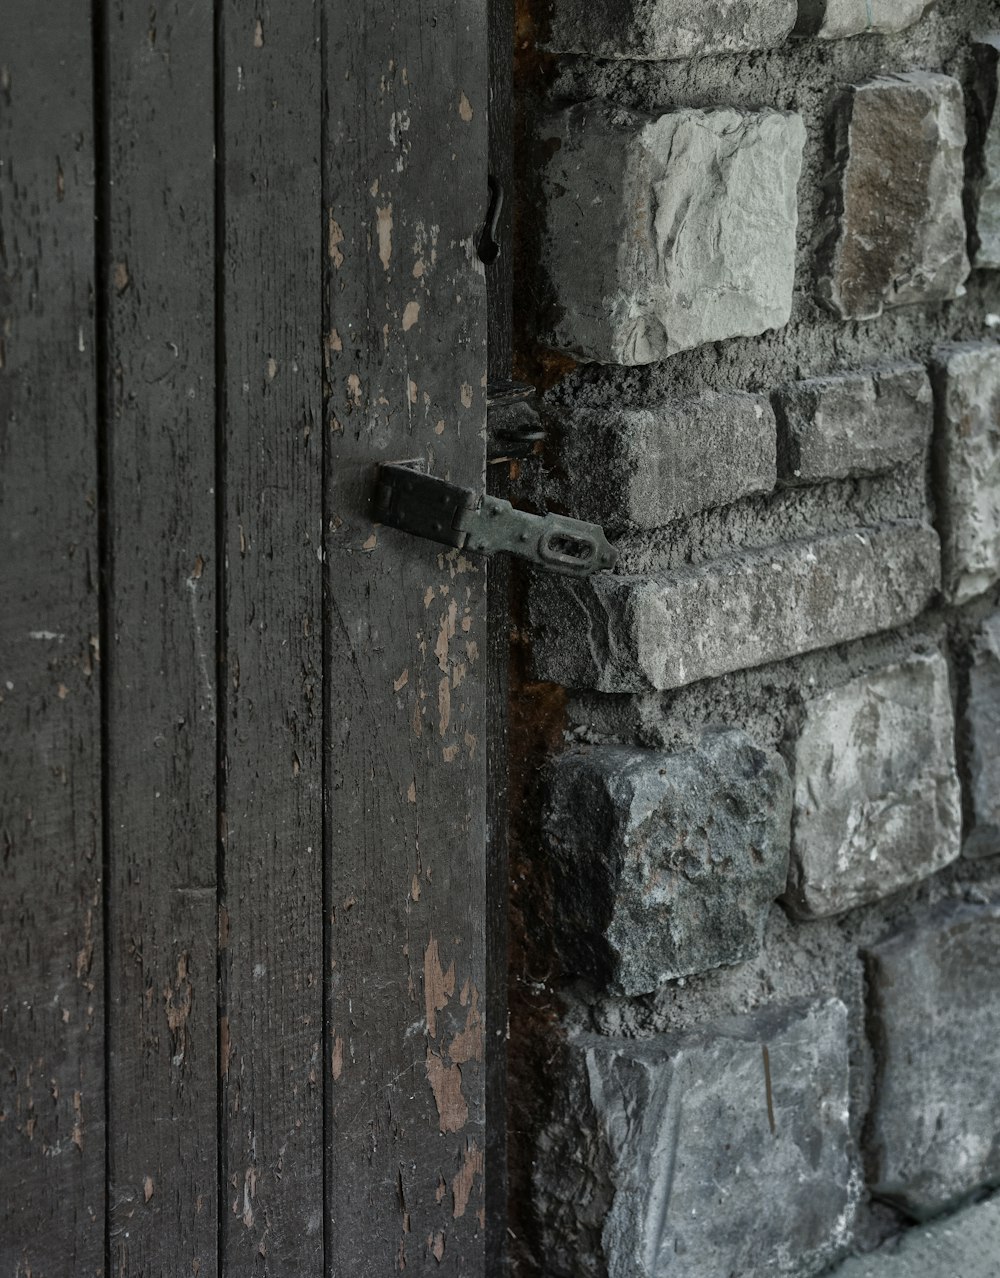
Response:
column 51, row 956
column 155, row 199
column 405, row 154
column 271, row 707
column 167, row 450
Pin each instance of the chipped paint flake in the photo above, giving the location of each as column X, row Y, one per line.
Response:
column 462, row 1185
column 465, row 109
column 337, row 1060
column 444, row 705
column 468, row 1045
column 335, row 237
column 439, row 985
column 384, row 228
column 446, row 1084
column 410, row 315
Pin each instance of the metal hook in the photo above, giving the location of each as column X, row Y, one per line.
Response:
column 489, row 244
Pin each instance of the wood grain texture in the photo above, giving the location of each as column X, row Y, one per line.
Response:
column 406, row 320
column 272, row 960
column 51, row 970
column 499, row 290
column 161, row 659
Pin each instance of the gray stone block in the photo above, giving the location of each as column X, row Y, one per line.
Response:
column 857, row 423
column 716, row 1153
column 632, row 469
column 896, row 233
column 665, row 864
column 984, row 183
column 982, row 727
column 663, row 233
column 834, row 19
column 965, row 1245
column 935, row 1020
column 877, row 799
column 649, row 30
column 634, row 634
column 967, row 466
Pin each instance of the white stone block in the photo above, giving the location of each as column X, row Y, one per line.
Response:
column 663, row 233
column 877, row 802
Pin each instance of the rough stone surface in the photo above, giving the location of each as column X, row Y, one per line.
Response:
column 896, row 233
column 966, row 1245
column 632, row 469
column 666, row 864
column 654, row 29
column 984, row 184
column 632, row 634
column 663, row 233
column 834, row 19
column 877, row 798
column 935, row 1024
column 857, row 423
column 982, row 726
column 709, row 1154
column 967, row 466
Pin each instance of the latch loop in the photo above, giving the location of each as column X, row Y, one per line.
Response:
column 454, row 516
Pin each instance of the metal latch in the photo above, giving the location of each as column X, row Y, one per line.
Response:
column 426, row 506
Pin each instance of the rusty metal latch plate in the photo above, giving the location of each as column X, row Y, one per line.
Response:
column 426, row 506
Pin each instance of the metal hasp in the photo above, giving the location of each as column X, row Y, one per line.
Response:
column 425, row 506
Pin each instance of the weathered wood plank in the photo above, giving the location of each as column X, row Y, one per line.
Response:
column 273, row 899
column 161, row 658
column 404, row 182
column 500, row 298
column 51, row 969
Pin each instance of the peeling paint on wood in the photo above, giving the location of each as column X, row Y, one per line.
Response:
column 407, row 781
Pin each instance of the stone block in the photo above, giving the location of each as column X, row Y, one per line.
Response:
column 834, row 19
column 965, row 1245
column 635, row 634
column 877, row 799
column 663, row 233
column 982, row 730
column 984, row 175
column 665, row 864
column 935, row 1021
column 632, row 469
column 681, row 1144
column 967, row 466
column 896, row 225
column 857, row 423
column 663, row 29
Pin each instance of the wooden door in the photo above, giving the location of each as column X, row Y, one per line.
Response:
column 243, row 728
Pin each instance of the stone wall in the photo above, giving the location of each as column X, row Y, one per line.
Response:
column 756, row 982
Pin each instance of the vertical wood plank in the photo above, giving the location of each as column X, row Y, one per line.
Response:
column 499, row 286
column 160, row 649
column 273, row 885
column 405, row 161
column 51, row 968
